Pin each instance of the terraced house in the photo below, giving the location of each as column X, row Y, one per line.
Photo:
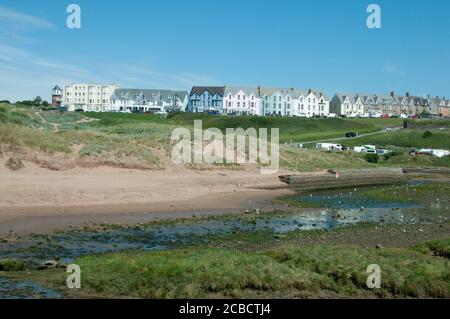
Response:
column 443, row 106
column 242, row 101
column 294, row 102
column 206, row 99
column 142, row 100
column 365, row 105
column 259, row 101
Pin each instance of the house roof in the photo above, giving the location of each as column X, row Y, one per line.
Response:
column 199, row 90
column 291, row 91
column 57, row 88
column 247, row 90
column 148, row 94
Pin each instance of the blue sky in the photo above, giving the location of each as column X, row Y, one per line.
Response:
column 323, row 44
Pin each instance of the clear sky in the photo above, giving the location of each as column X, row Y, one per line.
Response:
column 323, row 44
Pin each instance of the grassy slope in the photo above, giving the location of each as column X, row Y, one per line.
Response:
column 106, row 136
column 291, row 271
column 291, row 129
column 406, row 139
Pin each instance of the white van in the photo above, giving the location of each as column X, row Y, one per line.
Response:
column 329, row 146
column 371, row 149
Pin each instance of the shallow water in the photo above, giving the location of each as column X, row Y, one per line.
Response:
column 12, row 289
column 343, row 209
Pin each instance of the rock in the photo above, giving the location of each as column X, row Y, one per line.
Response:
column 50, row 264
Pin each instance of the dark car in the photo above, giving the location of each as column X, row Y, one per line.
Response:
column 351, row 134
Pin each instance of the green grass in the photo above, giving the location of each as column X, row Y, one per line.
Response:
column 291, row 129
column 291, row 271
column 406, row 139
column 109, row 137
column 11, row 265
column 435, row 247
column 315, row 160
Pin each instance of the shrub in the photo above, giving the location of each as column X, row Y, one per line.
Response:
column 11, row 265
column 372, row 158
column 427, row 134
column 14, row 163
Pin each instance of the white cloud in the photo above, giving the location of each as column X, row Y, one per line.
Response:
column 145, row 76
column 61, row 67
column 390, row 67
column 10, row 16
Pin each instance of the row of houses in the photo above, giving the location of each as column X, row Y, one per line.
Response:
column 358, row 104
column 111, row 98
column 259, row 101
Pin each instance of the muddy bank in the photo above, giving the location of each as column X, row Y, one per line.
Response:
column 333, row 179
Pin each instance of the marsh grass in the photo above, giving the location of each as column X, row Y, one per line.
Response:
column 412, row 193
column 291, row 271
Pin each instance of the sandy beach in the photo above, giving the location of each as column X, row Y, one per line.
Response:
column 36, row 199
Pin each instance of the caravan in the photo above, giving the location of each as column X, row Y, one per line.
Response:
column 329, row 146
column 370, row 149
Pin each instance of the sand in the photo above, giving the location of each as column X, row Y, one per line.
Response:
column 35, row 198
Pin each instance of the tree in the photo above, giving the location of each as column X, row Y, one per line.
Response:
column 37, row 101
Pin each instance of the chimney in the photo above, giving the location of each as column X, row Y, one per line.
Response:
column 407, row 94
column 259, row 90
column 309, row 91
column 392, row 93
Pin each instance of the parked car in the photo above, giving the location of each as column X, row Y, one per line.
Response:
column 370, row 149
column 383, row 152
column 351, row 134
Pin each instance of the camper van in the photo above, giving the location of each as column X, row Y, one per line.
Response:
column 329, row 146
column 370, row 149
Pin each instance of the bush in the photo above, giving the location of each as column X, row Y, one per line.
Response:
column 11, row 265
column 372, row 158
column 14, row 163
column 427, row 134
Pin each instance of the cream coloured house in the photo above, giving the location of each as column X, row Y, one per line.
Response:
column 88, row 97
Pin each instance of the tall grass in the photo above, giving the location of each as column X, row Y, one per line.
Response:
column 311, row 271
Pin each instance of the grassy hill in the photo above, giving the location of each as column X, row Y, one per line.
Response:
column 143, row 140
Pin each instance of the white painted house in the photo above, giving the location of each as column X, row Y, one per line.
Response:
column 294, row 102
column 241, row 101
column 88, row 97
